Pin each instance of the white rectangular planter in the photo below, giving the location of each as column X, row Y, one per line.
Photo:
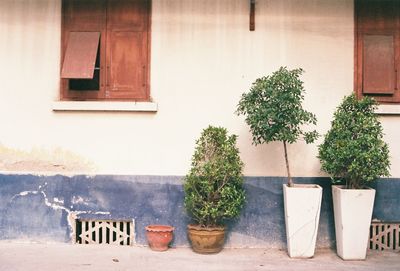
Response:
column 353, row 212
column 302, row 209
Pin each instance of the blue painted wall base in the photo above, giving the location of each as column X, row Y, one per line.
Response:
column 37, row 208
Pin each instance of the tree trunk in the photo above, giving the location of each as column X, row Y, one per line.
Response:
column 290, row 181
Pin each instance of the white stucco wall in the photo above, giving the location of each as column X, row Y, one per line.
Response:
column 203, row 59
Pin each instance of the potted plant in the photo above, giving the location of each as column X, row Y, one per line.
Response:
column 274, row 112
column 353, row 151
column 159, row 236
column 213, row 189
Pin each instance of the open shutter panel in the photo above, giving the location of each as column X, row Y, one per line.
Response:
column 379, row 75
column 80, row 55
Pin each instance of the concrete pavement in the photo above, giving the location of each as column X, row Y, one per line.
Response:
column 62, row 257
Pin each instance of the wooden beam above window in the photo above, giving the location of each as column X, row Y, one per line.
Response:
column 252, row 15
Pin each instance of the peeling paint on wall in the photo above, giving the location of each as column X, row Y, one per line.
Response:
column 58, row 205
column 45, row 208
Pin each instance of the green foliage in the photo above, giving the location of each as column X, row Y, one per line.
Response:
column 214, row 185
column 274, row 112
column 353, row 149
column 273, row 108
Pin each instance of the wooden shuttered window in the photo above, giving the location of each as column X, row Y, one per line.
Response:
column 118, row 68
column 377, row 49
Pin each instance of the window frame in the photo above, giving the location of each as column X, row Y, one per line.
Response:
column 102, row 94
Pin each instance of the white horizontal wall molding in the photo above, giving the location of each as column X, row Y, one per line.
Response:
column 388, row 109
column 105, row 106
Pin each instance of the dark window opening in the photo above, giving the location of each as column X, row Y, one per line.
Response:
column 88, row 84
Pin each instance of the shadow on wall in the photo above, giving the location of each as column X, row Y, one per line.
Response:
column 37, row 208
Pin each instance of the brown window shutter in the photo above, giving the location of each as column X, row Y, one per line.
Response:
column 84, row 15
column 377, row 15
column 80, row 55
column 379, row 76
column 377, row 54
column 127, row 64
column 127, row 49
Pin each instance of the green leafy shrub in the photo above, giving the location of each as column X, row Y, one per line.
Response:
column 353, row 149
column 274, row 112
column 214, row 186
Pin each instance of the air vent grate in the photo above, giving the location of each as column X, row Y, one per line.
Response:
column 384, row 236
column 104, row 232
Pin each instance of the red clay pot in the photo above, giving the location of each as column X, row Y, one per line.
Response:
column 159, row 236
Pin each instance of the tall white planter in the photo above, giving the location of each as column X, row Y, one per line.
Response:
column 302, row 209
column 353, row 212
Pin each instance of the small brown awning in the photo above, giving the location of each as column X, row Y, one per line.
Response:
column 80, row 55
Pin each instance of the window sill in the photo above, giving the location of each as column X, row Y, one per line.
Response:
column 105, row 106
column 388, row 109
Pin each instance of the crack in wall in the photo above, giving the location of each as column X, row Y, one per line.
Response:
column 57, row 205
column 23, row 194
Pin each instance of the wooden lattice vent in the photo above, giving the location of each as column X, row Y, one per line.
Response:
column 384, row 236
column 105, row 232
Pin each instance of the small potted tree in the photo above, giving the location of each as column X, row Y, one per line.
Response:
column 213, row 189
column 353, row 151
column 274, row 112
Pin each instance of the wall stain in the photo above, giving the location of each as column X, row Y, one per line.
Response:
column 42, row 160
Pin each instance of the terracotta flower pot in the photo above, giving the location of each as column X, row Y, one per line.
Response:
column 206, row 240
column 159, row 236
